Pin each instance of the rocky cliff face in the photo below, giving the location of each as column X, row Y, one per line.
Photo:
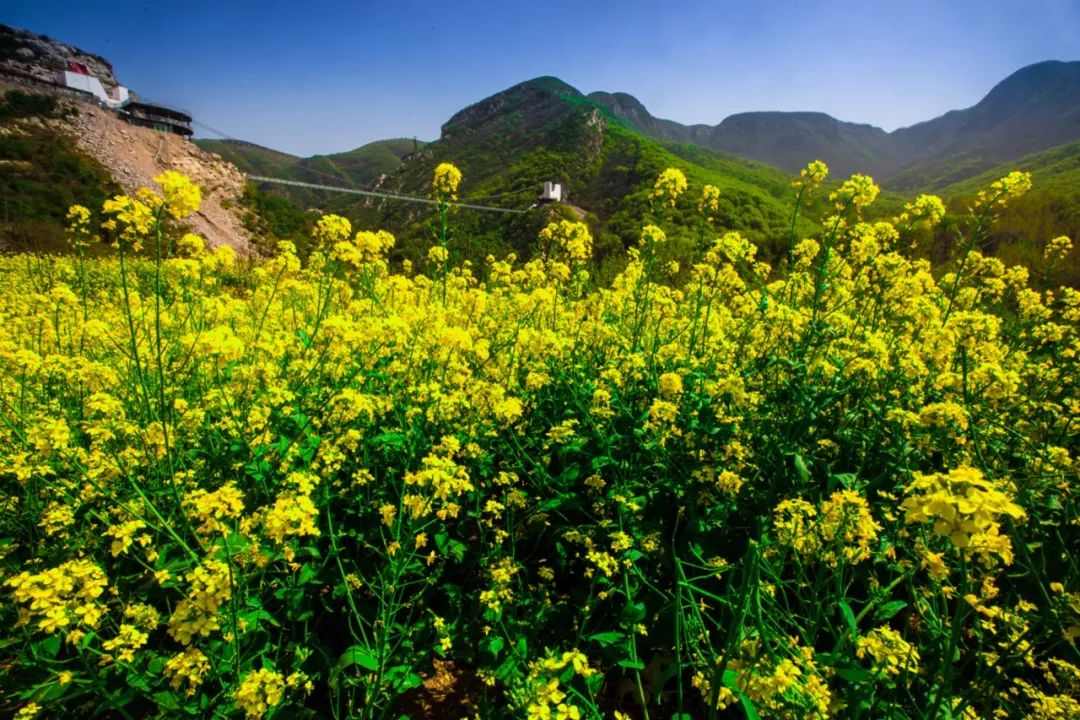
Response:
column 41, row 56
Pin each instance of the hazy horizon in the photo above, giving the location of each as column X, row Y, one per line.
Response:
column 334, row 77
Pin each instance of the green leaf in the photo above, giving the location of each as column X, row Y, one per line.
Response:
column 631, row 664
column 846, row 480
column 446, row 545
column 570, row 474
column 748, row 707
column 890, row 609
column 569, row 498
column 403, row 678
column 634, row 613
column 307, row 574
column 358, row 655
column 800, row 468
column 49, row 646
column 508, row 668
column 849, row 618
column 495, row 645
column 391, row 439
column 853, row 675
column 599, row 463
column 607, row 639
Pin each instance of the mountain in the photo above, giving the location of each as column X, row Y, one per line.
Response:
column 787, row 140
column 629, row 109
column 605, row 149
column 1035, row 108
column 248, row 157
column 508, row 144
column 1056, row 169
column 792, row 139
column 353, row 169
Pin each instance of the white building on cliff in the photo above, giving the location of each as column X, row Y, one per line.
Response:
column 78, row 77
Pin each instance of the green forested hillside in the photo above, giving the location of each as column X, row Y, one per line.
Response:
column 509, row 144
column 356, row 168
column 596, row 147
column 1036, row 108
column 1050, row 209
column 249, row 157
column 353, row 169
column 42, row 173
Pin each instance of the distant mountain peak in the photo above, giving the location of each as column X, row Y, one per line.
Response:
column 807, row 116
column 547, row 83
column 1034, row 108
column 1051, row 76
column 544, row 97
column 1045, row 70
column 620, row 100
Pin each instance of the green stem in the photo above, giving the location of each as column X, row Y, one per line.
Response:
column 947, row 664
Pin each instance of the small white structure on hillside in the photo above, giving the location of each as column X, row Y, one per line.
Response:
column 552, row 192
column 77, row 77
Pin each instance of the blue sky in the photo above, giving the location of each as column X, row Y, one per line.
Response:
column 318, row 77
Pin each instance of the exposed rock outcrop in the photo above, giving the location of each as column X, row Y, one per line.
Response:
column 41, row 56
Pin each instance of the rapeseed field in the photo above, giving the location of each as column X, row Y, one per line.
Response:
column 838, row 487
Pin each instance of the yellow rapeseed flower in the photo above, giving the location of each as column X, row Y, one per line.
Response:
column 652, row 235
column 1002, row 191
column 446, row 180
column 671, row 384
column 330, row 230
column 892, row 654
column 710, row 199
column 857, row 191
column 182, row 196
column 812, row 176
column 926, row 211
column 669, row 186
column 259, row 692
column 965, row 507
column 572, row 239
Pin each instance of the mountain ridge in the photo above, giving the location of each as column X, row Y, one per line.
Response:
column 605, row 148
column 506, row 145
column 1032, row 109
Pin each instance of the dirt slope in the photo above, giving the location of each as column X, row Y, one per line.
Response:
column 135, row 155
